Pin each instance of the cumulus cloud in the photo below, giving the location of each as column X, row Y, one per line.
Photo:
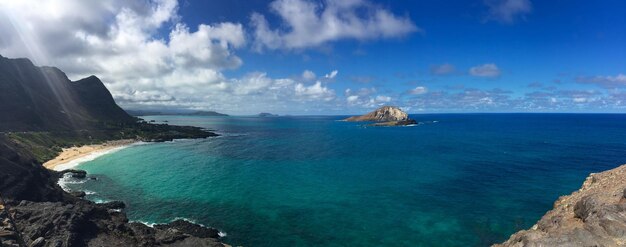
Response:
column 309, row 24
column 418, row 90
column 442, row 69
column 352, row 99
column 308, row 75
column 485, row 70
column 314, row 92
column 122, row 43
column 367, row 98
column 507, row 11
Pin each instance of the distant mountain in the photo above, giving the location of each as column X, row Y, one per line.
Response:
column 175, row 113
column 265, row 114
column 206, row 113
column 43, row 98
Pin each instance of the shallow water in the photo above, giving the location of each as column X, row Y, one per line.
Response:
column 458, row 180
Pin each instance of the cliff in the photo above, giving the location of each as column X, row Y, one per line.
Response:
column 42, row 111
column 595, row 215
column 36, row 98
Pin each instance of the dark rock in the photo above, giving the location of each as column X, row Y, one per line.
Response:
column 78, row 194
column 31, row 99
column 586, row 206
column 396, row 123
column 22, row 177
column 90, row 224
column 113, row 205
column 9, row 243
column 74, row 173
column 190, row 228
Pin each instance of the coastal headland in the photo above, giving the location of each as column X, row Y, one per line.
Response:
column 46, row 118
column 594, row 215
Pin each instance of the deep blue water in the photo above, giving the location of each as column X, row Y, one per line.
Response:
column 456, row 180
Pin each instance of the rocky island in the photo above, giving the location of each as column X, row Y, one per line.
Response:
column 385, row 116
column 266, row 114
column 42, row 112
column 595, row 215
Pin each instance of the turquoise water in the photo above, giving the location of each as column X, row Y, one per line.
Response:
column 457, row 180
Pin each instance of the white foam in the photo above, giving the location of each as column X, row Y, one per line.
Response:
column 229, row 134
column 219, row 233
column 99, row 201
column 92, row 156
column 150, row 224
column 68, row 179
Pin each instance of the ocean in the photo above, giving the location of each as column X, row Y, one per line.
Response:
column 452, row 180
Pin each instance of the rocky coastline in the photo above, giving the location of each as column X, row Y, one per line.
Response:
column 35, row 126
column 42, row 214
column 595, row 215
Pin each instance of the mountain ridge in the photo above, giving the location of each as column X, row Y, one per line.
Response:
column 34, row 98
column 42, row 111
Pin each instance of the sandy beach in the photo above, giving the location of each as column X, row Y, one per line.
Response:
column 73, row 156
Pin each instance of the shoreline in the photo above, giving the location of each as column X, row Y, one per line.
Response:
column 74, row 156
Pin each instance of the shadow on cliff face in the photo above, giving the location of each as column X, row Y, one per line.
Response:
column 23, row 178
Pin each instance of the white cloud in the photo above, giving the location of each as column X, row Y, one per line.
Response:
column 485, row 70
column 332, row 74
column 314, row 92
column 507, row 11
column 308, row 24
column 308, row 75
column 120, row 42
column 365, row 98
column 382, row 98
column 418, row 90
column 352, row 98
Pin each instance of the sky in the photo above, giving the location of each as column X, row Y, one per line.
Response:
column 327, row 57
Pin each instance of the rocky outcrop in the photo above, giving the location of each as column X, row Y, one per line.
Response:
column 266, row 114
column 396, row 123
column 74, row 173
column 35, row 211
column 383, row 114
column 595, row 215
column 84, row 223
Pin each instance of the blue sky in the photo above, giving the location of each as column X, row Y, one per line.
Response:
column 244, row 57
